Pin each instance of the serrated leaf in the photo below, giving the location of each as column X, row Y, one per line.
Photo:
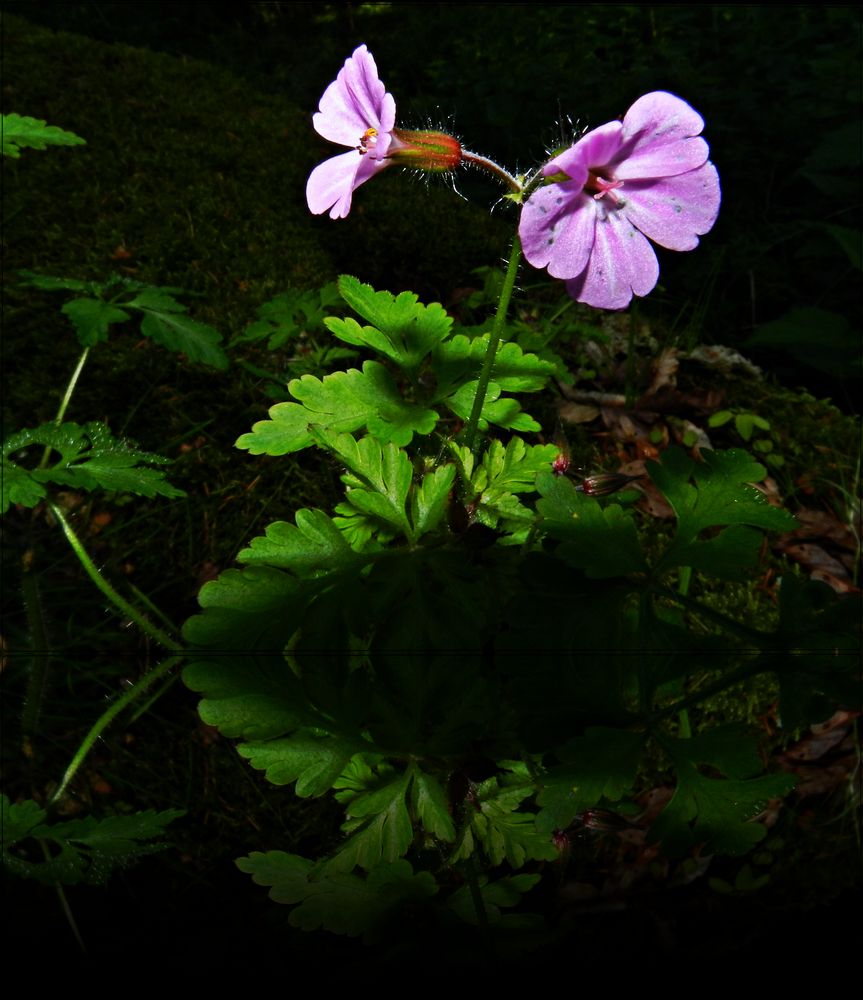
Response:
column 313, row 547
column 314, row 761
column 17, row 487
column 90, row 457
column 343, row 903
column 288, row 314
column 82, row 850
column 381, row 476
column 502, row 412
column 459, row 360
column 714, row 812
column 602, row 541
column 17, row 819
column 341, row 402
column 403, row 330
column 91, row 319
column 385, row 833
column 429, row 502
column 430, row 805
column 171, row 329
column 722, row 495
column 20, row 131
column 502, row 832
column 601, row 764
column 249, row 617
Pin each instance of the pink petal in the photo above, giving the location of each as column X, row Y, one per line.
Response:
column 593, row 150
column 556, row 229
column 674, row 211
column 331, row 184
column 622, row 263
column 356, row 101
column 659, row 138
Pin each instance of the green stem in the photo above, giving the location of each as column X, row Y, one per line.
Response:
column 491, row 353
column 107, row 717
column 64, row 402
column 146, row 626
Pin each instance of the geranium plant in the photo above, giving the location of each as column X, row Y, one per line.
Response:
column 473, row 652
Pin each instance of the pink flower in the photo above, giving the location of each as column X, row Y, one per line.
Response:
column 355, row 111
column 645, row 177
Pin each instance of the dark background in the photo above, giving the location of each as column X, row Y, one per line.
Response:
column 195, row 166
column 780, row 96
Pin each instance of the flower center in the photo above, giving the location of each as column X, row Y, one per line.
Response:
column 600, row 187
column 368, row 140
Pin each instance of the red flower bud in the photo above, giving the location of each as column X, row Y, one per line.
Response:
column 424, row 150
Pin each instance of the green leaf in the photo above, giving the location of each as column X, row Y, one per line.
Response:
column 715, row 812
column 288, row 314
column 380, row 479
column 600, row 540
column 430, row 805
column 165, row 323
column 602, row 764
column 503, row 412
column 429, row 502
column 721, row 496
column 81, row 850
column 20, row 131
column 314, row 761
column 342, row 402
column 91, row 319
column 312, row 548
column 89, row 458
column 249, row 617
column 384, row 831
column 17, row 819
column 459, row 360
column 402, row 330
column 501, row 831
column 342, row 903
column 50, row 284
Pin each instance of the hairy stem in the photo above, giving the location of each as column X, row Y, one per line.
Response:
column 471, row 439
column 490, row 167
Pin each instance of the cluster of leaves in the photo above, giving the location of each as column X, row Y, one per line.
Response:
column 77, row 850
column 97, row 306
column 86, row 458
column 21, row 131
column 472, row 652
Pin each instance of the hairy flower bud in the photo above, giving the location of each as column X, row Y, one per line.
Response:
column 424, row 150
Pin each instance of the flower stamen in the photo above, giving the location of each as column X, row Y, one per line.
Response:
column 602, row 187
column 368, row 139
